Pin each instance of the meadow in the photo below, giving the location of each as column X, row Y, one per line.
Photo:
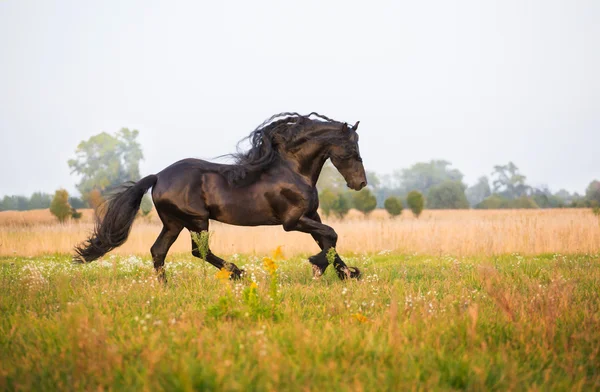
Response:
column 471, row 300
column 453, row 232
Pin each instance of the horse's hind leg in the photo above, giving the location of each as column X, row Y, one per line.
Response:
column 216, row 261
column 166, row 238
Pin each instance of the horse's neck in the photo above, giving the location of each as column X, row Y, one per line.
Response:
column 309, row 162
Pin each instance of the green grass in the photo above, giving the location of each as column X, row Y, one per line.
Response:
column 412, row 322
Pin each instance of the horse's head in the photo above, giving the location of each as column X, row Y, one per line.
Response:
column 345, row 156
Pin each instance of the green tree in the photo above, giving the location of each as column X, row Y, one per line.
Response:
column 59, row 207
column 39, row 201
column 592, row 193
column 9, row 203
column 478, row 192
column 14, row 203
column 330, row 178
column 364, row 201
column 373, row 180
column 76, row 202
column 327, row 199
column 415, row 202
column 146, row 205
column 423, row 175
column 496, row 201
column 447, row 195
column 105, row 160
column 393, row 206
column 341, row 205
column 544, row 198
column 509, row 182
column 523, row 202
column 492, row 202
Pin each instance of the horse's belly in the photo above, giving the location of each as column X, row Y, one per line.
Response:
column 244, row 212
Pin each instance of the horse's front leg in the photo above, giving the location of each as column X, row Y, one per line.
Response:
column 326, row 237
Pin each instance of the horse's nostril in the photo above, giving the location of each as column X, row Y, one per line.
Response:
column 363, row 184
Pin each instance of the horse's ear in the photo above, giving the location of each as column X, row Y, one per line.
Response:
column 344, row 127
column 355, row 127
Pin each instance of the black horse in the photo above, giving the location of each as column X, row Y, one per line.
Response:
column 273, row 183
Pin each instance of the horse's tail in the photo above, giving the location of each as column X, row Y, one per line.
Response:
column 113, row 228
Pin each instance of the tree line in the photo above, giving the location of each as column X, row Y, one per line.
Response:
column 105, row 161
column 441, row 187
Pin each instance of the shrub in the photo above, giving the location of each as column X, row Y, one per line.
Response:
column 592, row 193
column 364, row 201
column 447, row 195
column 327, row 200
column 415, row 202
column 523, row 202
column 495, row 202
column 75, row 214
column 341, row 205
column 59, row 207
column 393, row 206
column 492, row 202
column 146, row 205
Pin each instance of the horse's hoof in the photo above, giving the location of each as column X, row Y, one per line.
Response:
column 161, row 276
column 237, row 274
column 354, row 273
column 317, row 271
column 348, row 273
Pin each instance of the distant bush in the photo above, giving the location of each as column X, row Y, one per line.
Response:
column 327, row 200
column 393, row 206
column 75, row 214
column 59, row 207
column 364, row 201
column 548, row 201
column 146, row 205
column 523, row 202
column 447, row 195
column 495, row 202
column 415, row 202
column 341, row 205
column 592, row 193
column 39, row 201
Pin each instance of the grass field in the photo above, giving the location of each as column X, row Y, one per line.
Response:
column 412, row 322
column 458, row 233
column 445, row 302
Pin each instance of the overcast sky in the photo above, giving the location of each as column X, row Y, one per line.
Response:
column 477, row 83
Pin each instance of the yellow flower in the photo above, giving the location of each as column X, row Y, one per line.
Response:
column 270, row 265
column 278, row 253
column 223, row 274
column 360, row 317
column 253, row 286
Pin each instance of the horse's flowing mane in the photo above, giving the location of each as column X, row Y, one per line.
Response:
column 280, row 129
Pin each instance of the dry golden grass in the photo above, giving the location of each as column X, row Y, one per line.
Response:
column 472, row 232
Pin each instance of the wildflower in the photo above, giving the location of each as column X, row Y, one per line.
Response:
column 223, row 274
column 270, row 265
column 360, row 318
column 277, row 253
column 253, row 286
